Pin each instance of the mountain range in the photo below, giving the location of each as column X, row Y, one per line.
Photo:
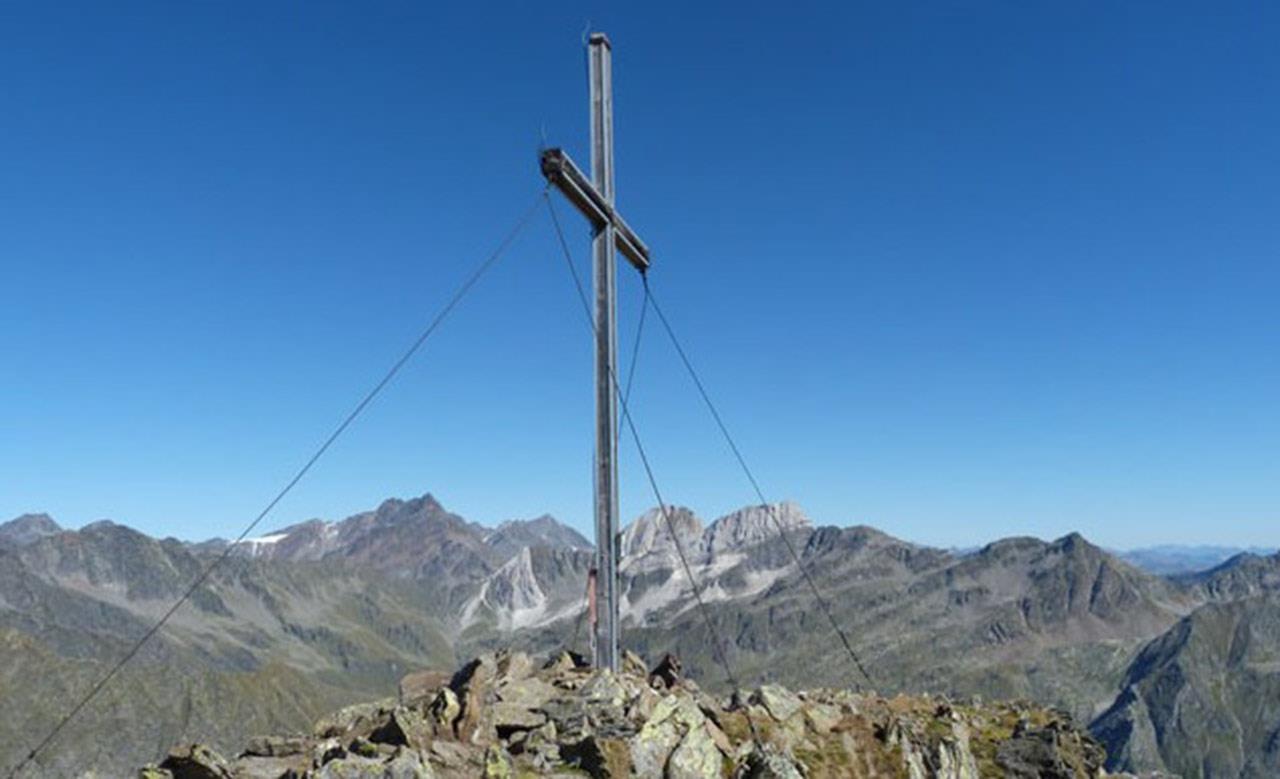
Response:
column 1175, row 559
column 322, row 614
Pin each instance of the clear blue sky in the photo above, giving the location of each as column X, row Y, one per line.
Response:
column 956, row 270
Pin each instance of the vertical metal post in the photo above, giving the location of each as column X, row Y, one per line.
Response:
column 604, row 267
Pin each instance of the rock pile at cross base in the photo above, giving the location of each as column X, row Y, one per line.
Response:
column 503, row 715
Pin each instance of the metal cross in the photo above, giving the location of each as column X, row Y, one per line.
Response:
column 594, row 198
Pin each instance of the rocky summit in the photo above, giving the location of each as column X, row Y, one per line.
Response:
column 504, row 715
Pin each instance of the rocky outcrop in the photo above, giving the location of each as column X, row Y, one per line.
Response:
column 503, row 716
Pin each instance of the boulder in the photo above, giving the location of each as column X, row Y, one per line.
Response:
column 275, row 746
column 422, row 685
column 697, row 756
column 445, row 708
column 633, row 664
column 474, row 688
column 497, row 763
column 402, row 765
column 768, row 764
column 361, row 716
column 780, row 702
column 259, row 767
column 508, row 718
column 403, row 727
column 407, row 765
column 601, row 758
column 652, row 746
column 195, row 761
column 351, row 767
column 531, row 692
column 513, row 665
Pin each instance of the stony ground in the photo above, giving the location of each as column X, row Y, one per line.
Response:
column 504, row 715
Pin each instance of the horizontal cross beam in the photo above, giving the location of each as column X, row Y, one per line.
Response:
column 569, row 179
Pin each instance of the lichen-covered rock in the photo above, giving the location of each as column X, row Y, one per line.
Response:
column 445, row 708
column 497, row 763
column 350, row 719
column 403, row 727
column 401, row 765
column 601, row 758
column 767, row 764
column 653, row 745
column 696, row 756
column 351, row 767
column 407, row 765
column 511, row 717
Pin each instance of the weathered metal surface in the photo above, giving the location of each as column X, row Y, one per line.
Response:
column 595, row 199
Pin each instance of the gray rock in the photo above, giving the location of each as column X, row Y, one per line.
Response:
column 421, row 685
column 352, row 718
column 196, row 761
column 767, row 764
column 509, row 717
column 696, row 757
column 276, row 746
column 403, row 727
column 780, row 702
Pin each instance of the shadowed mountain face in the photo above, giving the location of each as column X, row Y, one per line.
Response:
column 1203, row 699
column 323, row 613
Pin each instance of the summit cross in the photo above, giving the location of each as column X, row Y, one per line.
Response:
column 595, row 198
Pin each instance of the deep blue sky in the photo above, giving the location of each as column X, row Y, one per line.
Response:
column 956, row 270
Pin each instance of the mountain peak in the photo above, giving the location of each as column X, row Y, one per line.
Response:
column 1074, row 543
column 27, row 529
column 510, row 536
column 754, row 524
column 99, row 526
column 398, row 508
column 649, row 533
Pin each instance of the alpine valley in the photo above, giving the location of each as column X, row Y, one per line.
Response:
column 1176, row 673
